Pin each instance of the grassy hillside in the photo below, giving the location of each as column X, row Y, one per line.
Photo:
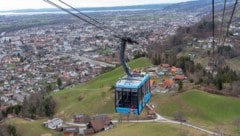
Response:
column 95, row 96
column 234, row 63
column 151, row 129
column 200, row 108
column 203, row 61
column 31, row 128
column 213, row 108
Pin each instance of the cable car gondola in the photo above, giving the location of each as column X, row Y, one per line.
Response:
column 132, row 94
column 132, row 91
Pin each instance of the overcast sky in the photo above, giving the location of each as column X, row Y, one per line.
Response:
column 36, row 4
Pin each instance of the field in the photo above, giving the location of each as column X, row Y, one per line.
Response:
column 202, row 61
column 94, row 97
column 31, row 128
column 234, row 63
column 150, row 129
column 202, row 109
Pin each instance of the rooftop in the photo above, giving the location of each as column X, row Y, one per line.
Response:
column 71, row 129
column 132, row 82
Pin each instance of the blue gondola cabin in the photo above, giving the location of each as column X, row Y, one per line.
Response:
column 132, row 94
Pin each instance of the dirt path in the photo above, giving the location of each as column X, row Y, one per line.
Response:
column 165, row 120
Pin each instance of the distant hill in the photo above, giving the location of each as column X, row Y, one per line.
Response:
column 202, row 6
column 99, row 9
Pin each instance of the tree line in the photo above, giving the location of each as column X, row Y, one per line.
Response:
column 165, row 51
column 38, row 104
column 8, row 130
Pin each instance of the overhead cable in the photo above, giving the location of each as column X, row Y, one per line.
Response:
column 223, row 17
column 230, row 21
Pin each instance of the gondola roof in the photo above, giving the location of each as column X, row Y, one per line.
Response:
column 132, row 82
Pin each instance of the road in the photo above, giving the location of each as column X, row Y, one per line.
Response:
column 159, row 119
column 93, row 61
column 165, row 120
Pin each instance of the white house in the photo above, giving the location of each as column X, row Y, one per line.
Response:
column 4, row 98
column 54, row 123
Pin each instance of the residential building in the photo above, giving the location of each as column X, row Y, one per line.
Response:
column 54, row 123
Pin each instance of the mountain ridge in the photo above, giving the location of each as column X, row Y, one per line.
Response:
column 146, row 6
column 202, row 6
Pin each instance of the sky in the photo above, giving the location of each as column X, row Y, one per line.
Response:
column 36, row 4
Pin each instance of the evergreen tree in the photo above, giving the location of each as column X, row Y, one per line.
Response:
column 12, row 130
column 219, row 84
column 180, row 86
column 59, row 82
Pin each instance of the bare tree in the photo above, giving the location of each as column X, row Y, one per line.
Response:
column 179, row 116
column 236, row 123
column 8, row 130
column 220, row 129
column 1, row 116
column 38, row 104
column 235, row 87
column 25, row 107
column 3, row 131
column 12, row 130
column 50, row 106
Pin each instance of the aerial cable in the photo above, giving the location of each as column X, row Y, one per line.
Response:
column 223, row 16
column 92, row 19
column 96, row 21
column 213, row 31
column 75, row 15
column 213, row 19
column 117, row 35
column 124, row 39
column 230, row 21
column 83, row 19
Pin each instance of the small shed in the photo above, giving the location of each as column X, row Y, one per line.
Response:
column 179, row 77
column 70, row 131
column 81, row 118
column 165, row 65
column 174, row 69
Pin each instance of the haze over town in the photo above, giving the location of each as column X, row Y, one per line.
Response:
column 37, row 4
